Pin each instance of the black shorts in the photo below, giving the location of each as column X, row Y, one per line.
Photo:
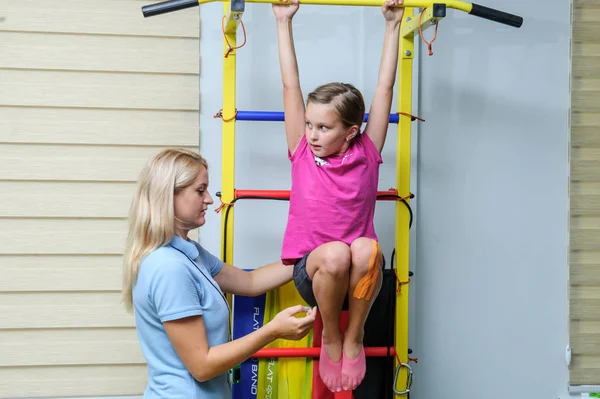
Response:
column 304, row 285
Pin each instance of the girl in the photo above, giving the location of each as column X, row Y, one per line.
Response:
column 175, row 286
column 330, row 238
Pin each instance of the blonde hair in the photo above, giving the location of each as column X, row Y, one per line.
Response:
column 346, row 100
column 152, row 215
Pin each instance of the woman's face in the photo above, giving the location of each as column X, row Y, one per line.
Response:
column 192, row 202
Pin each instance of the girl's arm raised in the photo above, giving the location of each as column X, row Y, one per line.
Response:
column 379, row 114
column 293, row 103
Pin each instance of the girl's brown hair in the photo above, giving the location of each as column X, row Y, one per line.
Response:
column 346, row 99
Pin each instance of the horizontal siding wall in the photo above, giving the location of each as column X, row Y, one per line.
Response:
column 89, row 90
column 585, row 195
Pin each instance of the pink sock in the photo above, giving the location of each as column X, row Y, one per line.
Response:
column 353, row 371
column 330, row 371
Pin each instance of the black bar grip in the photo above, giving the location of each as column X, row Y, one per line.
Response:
column 497, row 16
column 168, row 6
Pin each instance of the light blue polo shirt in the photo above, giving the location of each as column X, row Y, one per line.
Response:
column 170, row 287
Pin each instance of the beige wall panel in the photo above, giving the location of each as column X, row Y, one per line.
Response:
column 69, row 347
column 98, row 90
column 585, row 135
column 588, row 361
column 586, row 14
column 585, row 240
column 585, row 119
column 585, row 84
column 78, row 381
column 586, row 101
column 585, row 3
column 586, row 154
column 70, row 162
column 22, row 273
column 89, row 298
column 585, row 94
column 586, row 32
column 585, row 188
column 585, row 170
column 89, row 91
column 107, row 17
column 63, row 310
column 585, row 50
column 56, row 236
column 585, row 222
column 587, row 66
column 65, row 199
column 99, row 126
column 585, row 326
column 585, row 292
column 99, row 53
column 586, row 27
column 585, row 343
column 59, row 335
column 584, row 369
column 584, row 274
column 585, row 204
column 582, row 376
column 584, row 308
column 585, row 257
column 585, row 127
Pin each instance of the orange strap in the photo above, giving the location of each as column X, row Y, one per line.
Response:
column 409, row 196
column 230, row 49
column 429, row 44
column 410, row 359
column 413, row 117
column 223, row 204
column 400, row 283
column 366, row 285
column 220, row 115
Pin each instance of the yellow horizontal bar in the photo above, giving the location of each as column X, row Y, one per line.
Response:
column 457, row 5
column 426, row 21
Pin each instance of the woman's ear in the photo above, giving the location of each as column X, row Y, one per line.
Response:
column 352, row 132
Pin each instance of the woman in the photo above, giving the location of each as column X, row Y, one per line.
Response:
column 175, row 287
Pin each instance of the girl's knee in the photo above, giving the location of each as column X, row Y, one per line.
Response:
column 336, row 258
column 362, row 250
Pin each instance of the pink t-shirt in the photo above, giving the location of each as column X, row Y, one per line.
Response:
column 332, row 198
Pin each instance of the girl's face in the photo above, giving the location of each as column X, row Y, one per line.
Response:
column 192, row 202
column 325, row 133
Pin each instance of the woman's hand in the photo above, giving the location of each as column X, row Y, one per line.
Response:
column 287, row 326
column 392, row 12
column 285, row 9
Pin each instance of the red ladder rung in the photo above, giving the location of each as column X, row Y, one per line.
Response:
column 372, row 351
column 390, row 195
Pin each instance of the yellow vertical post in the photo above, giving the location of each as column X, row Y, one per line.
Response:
column 228, row 113
column 403, row 158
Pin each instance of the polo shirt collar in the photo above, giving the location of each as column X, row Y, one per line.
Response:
column 185, row 246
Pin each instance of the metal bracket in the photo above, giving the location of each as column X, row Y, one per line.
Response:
column 431, row 16
column 238, row 6
column 236, row 10
column 407, row 43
